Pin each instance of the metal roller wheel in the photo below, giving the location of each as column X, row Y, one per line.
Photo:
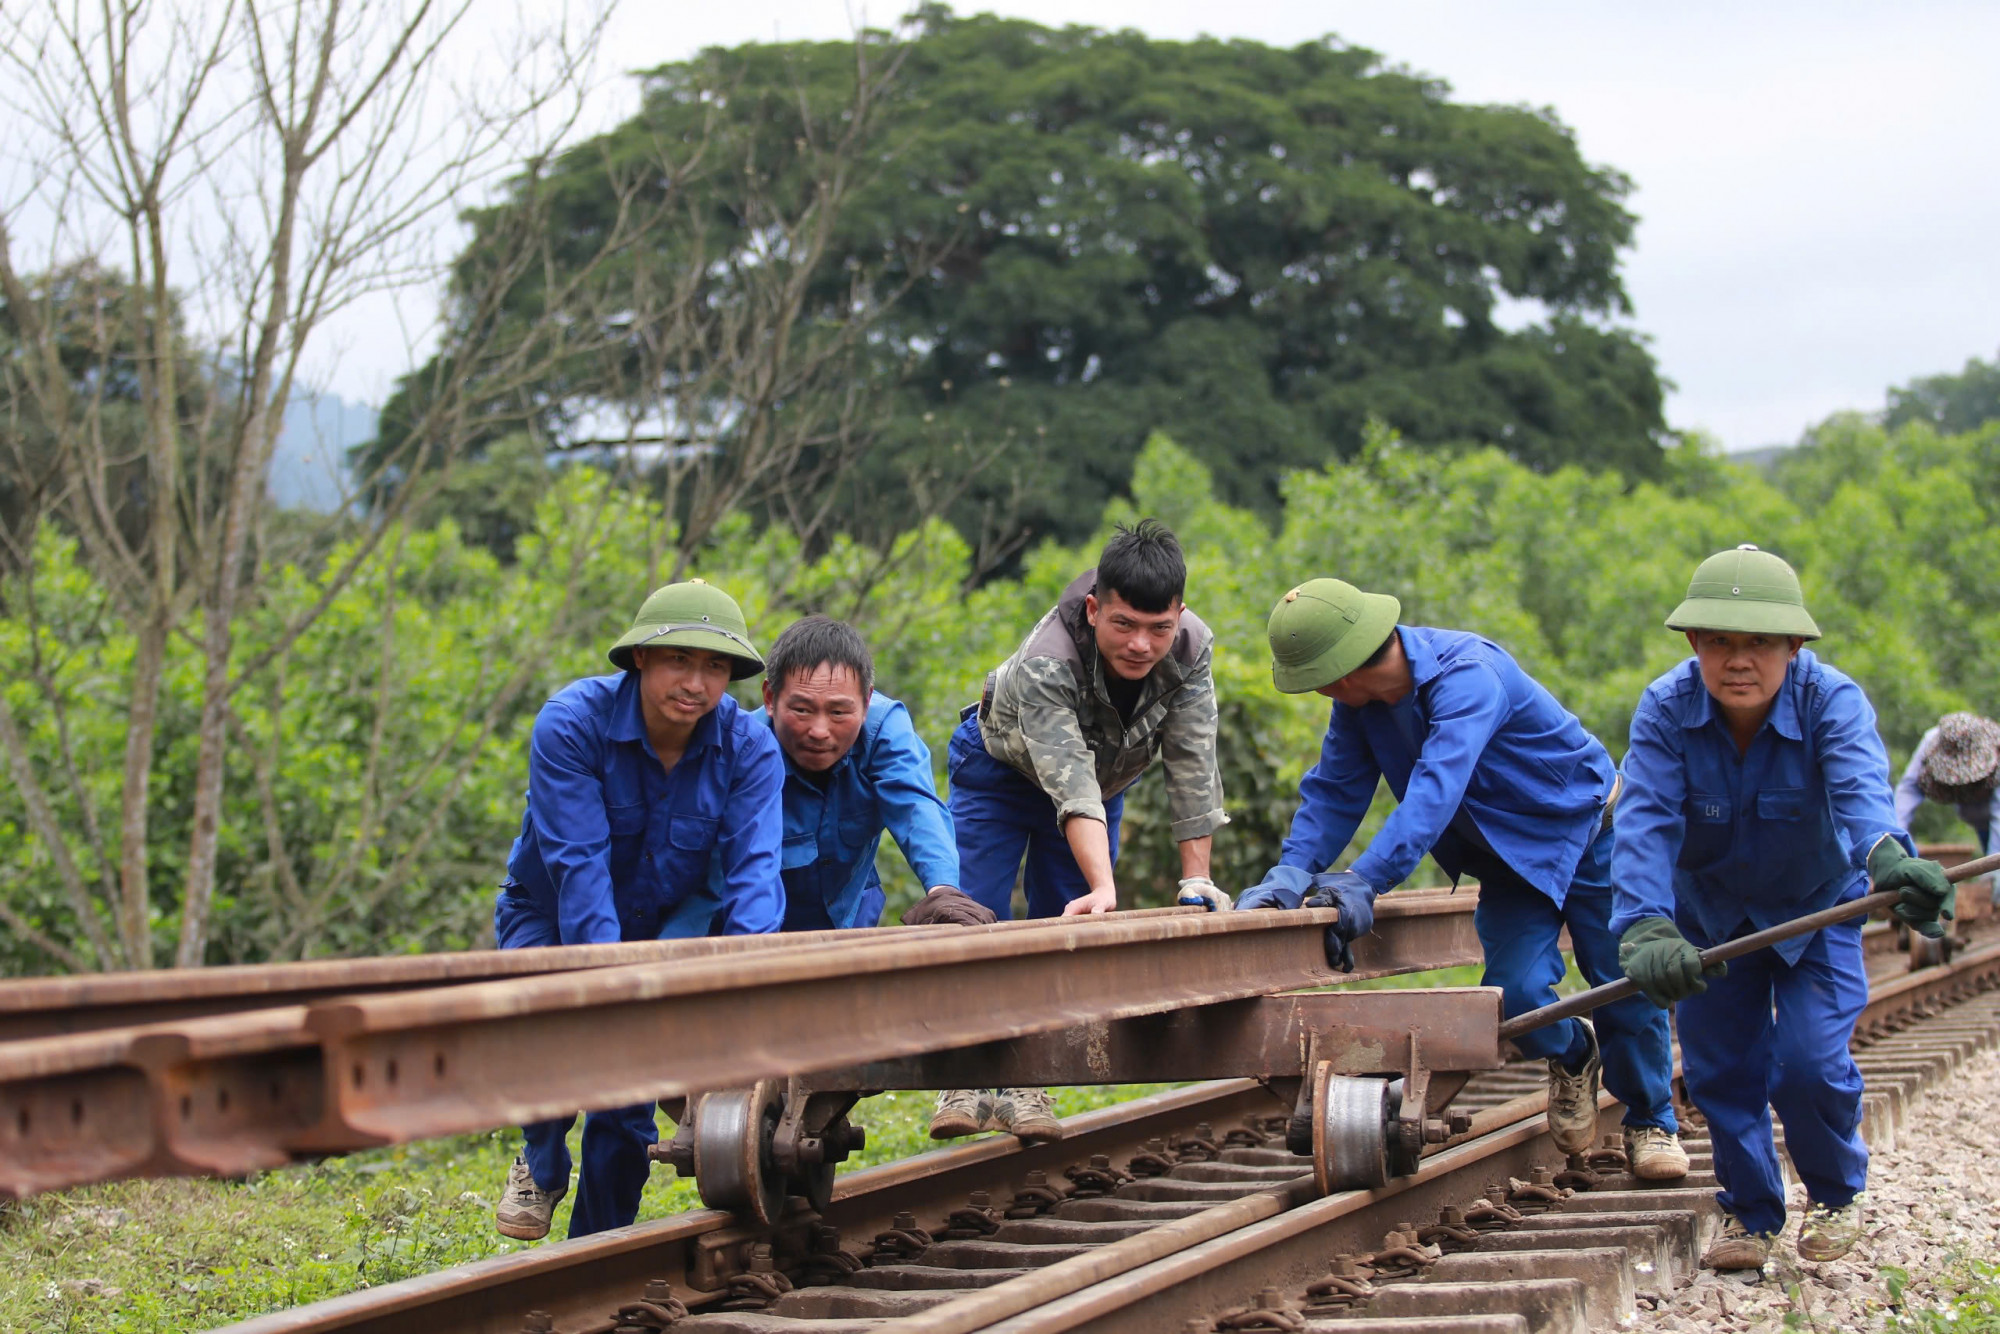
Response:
column 732, row 1151
column 1927, row 953
column 1353, row 1126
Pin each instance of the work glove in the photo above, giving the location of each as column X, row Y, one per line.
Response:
column 1199, row 891
column 1926, row 894
column 1355, row 898
column 947, row 907
column 1281, row 887
column 1664, row 963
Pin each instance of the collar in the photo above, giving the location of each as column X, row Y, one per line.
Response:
column 1420, row 653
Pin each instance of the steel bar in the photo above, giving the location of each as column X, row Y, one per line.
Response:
column 1585, row 1001
column 1266, row 1037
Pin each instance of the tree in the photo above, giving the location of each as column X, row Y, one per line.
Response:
column 1255, row 248
column 1951, row 404
column 254, row 169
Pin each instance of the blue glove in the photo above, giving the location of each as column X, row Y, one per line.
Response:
column 1281, row 887
column 1355, row 898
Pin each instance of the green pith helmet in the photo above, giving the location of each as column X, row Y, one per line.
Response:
column 1745, row 591
column 691, row 615
column 1324, row 629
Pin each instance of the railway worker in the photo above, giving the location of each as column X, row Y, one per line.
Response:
column 1115, row 675
column 1758, row 791
column 1957, row 763
column 1493, row 778
column 639, row 784
column 854, row 767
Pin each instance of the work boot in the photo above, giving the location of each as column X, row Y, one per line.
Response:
column 525, row 1208
column 1028, row 1113
column 1655, row 1154
column 962, row 1112
column 1737, row 1248
column 1573, row 1100
column 1828, row 1234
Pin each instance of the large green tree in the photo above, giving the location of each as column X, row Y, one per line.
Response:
column 1256, row 248
column 1949, row 403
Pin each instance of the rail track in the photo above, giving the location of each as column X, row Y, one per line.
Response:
column 1187, row 1211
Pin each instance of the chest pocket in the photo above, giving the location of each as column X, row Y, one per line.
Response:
column 1786, row 805
column 799, row 850
column 679, row 846
column 855, row 833
column 1710, row 825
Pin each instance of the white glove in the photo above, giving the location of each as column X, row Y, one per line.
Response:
column 1198, row 891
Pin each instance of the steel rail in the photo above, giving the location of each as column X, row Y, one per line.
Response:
column 1585, row 1001
column 233, row 1093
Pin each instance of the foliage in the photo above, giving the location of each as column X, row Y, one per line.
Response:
column 1259, row 248
column 1969, row 1302
column 1949, row 403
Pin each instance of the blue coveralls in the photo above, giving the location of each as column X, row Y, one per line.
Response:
column 997, row 813
column 610, row 845
column 1726, row 844
column 1494, row 778
column 834, row 823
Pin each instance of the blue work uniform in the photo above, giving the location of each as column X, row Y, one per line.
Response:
column 610, row 845
column 834, row 822
column 1726, row 843
column 1494, row 778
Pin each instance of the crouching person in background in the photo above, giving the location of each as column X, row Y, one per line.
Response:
column 639, row 784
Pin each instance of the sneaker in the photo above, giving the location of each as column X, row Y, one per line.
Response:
column 962, row 1112
column 1028, row 1113
column 1828, row 1234
column 1737, row 1248
column 525, row 1208
column 1655, row 1154
column 1573, row 1101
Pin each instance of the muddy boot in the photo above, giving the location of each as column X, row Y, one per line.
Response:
column 1028, row 1114
column 1655, row 1154
column 962, row 1112
column 1573, row 1100
column 1738, row 1249
column 525, row 1208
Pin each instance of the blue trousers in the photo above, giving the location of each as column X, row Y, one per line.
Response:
column 999, row 815
column 1771, row 1035
column 615, row 1139
column 1520, row 928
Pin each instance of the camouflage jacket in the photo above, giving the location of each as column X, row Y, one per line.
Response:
column 1046, row 713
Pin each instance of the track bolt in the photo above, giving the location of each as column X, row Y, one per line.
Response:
column 538, row 1322
column 1543, row 1176
column 760, row 1257
column 1461, row 1123
column 905, row 1223
column 1435, row 1130
column 1101, row 1161
column 1496, row 1194
column 980, row 1199
column 1204, row 1131
column 1451, row 1216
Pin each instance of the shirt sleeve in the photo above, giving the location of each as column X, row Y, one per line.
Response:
column 1334, row 795
column 900, row 770
column 1065, row 769
column 1466, row 704
column 1909, row 796
column 566, row 798
column 1651, row 822
column 1854, row 765
column 750, row 838
column 1188, row 749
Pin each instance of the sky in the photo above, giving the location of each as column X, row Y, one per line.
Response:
column 1818, row 185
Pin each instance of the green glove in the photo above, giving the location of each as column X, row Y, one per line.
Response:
column 1927, row 895
column 1655, row 954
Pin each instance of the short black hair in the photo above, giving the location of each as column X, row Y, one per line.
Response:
column 816, row 641
column 1143, row 565
column 1381, row 651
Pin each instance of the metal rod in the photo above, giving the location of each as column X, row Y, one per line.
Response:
column 1585, row 1001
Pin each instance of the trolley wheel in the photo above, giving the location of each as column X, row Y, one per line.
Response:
column 732, row 1151
column 1926, row 952
column 1353, row 1129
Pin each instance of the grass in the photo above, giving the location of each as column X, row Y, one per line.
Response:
column 164, row 1257
column 1967, row 1301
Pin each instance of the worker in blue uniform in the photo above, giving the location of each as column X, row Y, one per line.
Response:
column 1493, row 778
column 1757, row 791
column 639, row 785
column 854, row 768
